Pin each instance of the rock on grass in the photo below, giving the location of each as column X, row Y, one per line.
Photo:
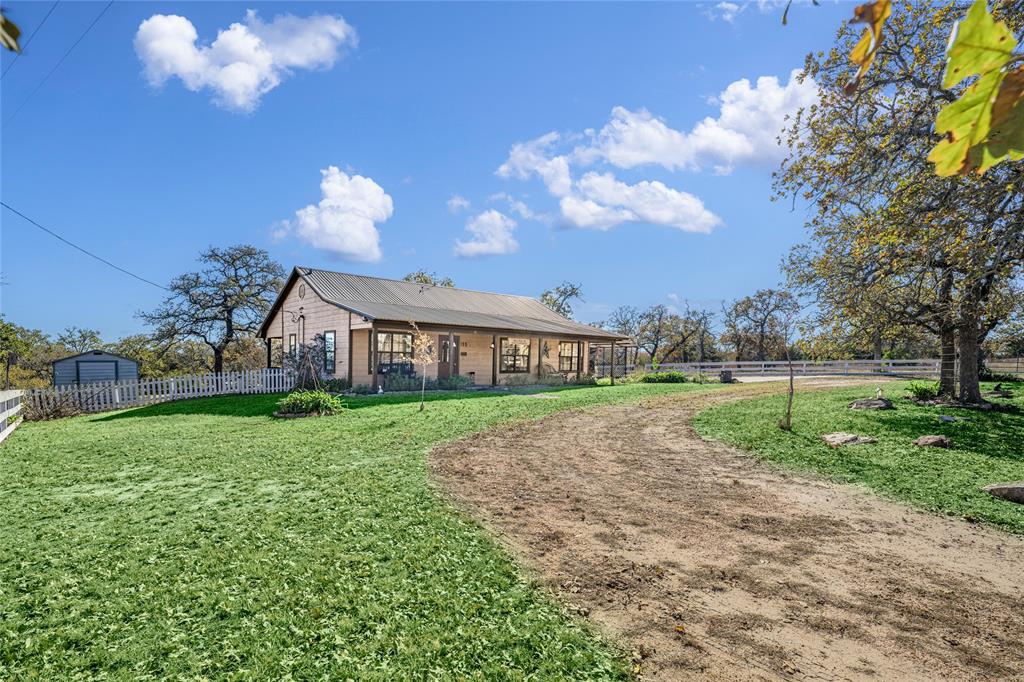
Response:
column 1013, row 491
column 839, row 439
column 933, row 442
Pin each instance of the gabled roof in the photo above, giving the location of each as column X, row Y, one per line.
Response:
column 97, row 351
column 375, row 298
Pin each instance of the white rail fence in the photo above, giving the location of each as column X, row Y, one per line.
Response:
column 114, row 395
column 908, row 368
column 1006, row 366
column 10, row 412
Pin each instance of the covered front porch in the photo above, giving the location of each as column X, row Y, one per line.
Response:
column 488, row 357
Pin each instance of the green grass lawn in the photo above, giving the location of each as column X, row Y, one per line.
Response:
column 987, row 448
column 204, row 539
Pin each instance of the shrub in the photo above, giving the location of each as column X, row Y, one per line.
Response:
column 583, row 380
column 57, row 410
column 924, row 391
column 310, row 402
column 661, row 378
column 403, row 382
column 336, row 385
column 520, row 380
column 455, row 383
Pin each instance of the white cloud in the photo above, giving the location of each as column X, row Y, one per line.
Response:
column 345, row 221
column 745, row 131
column 491, row 235
column 726, row 11
column 604, row 202
column 457, row 203
column 749, row 120
column 518, row 207
column 247, row 60
column 533, row 157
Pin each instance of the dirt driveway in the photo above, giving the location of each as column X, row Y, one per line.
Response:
column 710, row 565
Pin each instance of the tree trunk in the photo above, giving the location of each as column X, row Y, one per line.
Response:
column 878, row 344
column 218, row 360
column 423, row 388
column 786, row 423
column 947, row 363
column 967, row 333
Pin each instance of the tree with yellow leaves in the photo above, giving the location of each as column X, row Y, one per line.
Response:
column 890, row 239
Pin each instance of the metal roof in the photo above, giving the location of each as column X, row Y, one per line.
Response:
column 96, row 351
column 398, row 301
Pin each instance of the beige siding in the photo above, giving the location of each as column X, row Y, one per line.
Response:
column 319, row 316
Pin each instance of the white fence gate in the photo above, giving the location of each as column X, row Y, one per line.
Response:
column 10, row 412
column 114, row 395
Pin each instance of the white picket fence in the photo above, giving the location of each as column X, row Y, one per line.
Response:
column 114, row 395
column 909, row 368
column 10, row 412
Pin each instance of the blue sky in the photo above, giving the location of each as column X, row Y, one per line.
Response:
column 608, row 144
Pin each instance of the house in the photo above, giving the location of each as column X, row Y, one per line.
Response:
column 93, row 366
column 365, row 322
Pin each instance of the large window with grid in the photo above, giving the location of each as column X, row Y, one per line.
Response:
column 394, row 353
column 515, row 356
column 568, row 356
column 329, row 359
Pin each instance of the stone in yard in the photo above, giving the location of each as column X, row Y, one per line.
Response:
column 839, row 439
column 997, row 394
column 946, row 418
column 1014, row 491
column 871, row 404
column 933, row 442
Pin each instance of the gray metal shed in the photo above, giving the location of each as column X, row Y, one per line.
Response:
column 95, row 365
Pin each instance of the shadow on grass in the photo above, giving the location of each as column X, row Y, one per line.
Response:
column 264, row 405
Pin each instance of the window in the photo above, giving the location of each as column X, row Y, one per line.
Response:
column 394, row 353
column 568, row 356
column 292, row 348
column 515, row 356
column 329, row 351
column 276, row 352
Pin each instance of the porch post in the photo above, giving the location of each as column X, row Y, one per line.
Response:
column 612, row 346
column 267, row 341
column 540, row 357
column 579, row 360
column 451, row 353
column 373, row 354
column 494, row 360
column 350, row 350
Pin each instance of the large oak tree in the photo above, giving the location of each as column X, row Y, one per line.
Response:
column 222, row 304
column 890, row 240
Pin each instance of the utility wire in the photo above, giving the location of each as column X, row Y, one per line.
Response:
column 59, row 62
column 76, row 246
column 29, row 40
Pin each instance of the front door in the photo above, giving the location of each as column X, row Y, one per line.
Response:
column 448, row 358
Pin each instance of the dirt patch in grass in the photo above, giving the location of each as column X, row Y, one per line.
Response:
column 706, row 562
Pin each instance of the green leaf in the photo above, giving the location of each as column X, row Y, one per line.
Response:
column 978, row 44
column 965, row 124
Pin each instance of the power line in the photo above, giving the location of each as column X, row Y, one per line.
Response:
column 29, row 40
column 60, row 61
column 76, row 246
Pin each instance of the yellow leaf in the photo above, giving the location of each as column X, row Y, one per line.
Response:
column 874, row 14
column 965, row 125
column 9, row 33
column 1006, row 139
